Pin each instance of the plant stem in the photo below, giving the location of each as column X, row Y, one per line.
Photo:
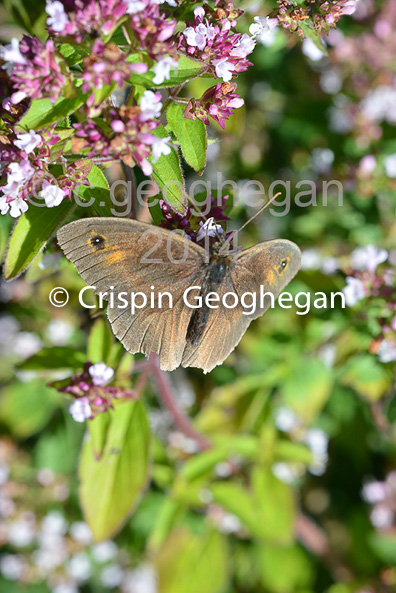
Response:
column 167, row 398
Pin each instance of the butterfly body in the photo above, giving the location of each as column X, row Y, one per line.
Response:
column 130, row 256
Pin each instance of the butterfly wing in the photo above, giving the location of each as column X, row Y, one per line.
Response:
column 270, row 264
column 128, row 256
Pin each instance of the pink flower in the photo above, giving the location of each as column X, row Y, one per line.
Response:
column 40, row 75
column 106, row 65
column 28, row 142
column 218, row 102
column 101, row 374
column 153, row 31
column 121, row 135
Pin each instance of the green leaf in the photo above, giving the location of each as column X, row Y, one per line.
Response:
column 191, row 134
column 275, row 506
column 73, row 54
column 111, row 487
column 43, row 113
column 98, row 429
column 197, row 564
column 284, row 569
column 62, row 357
column 97, row 194
column 32, row 231
column 187, row 69
column 307, row 388
column 100, row 342
column 168, row 175
column 367, row 377
column 25, row 408
column 314, row 36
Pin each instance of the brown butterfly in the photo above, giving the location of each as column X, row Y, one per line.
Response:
column 129, row 256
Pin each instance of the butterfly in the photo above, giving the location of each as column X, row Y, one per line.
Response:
column 128, row 256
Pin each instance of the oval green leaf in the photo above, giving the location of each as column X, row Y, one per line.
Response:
column 192, row 137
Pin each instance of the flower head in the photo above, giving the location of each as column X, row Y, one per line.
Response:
column 101, row 374
column 57, row 18
column 368, row 258
column 354, row 291
column 80, row 409
column 219, row 102
column 28, row 142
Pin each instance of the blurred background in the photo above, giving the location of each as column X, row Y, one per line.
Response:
column 301, row 497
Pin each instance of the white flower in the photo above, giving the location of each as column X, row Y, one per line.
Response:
column 160, row 147
column 4, row 473
column 317, row 440
column 11, row 53
column 170, row 2
column 196, row 37
column 284, row 472
column 209, row 228
column 28, row 141
column 386, row 351
column 111, row 576
column 311, row 50
column 59, row 331
column 135, row 6
column 26, row 344
column 162, row 69
column 80, row 409
column 79, row 568
column 199, row 12
column 374, row 492
column 353, row 291
column 367, row 164
column 380, row 104
column 64, row 587
column 286, row 420
column 101, row 374
column 223, row 69
column 150, row 105
column 382, row 517
column 310, row 260
column 81, row 532
column 141, row 580
column 262, row 25
column 54, row 524
column 17, row 206
column 21, row 532
column 322, row 159
column 368, row 258
column 104, row 551
column 229, row 523
column 52, row 194
column 390, row 166
column 12, row 566
column 57, row 19
column 245, row 46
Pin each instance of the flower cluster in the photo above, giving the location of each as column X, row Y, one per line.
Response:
column 366, row 281
column 381, row 495
column 126, row 133
column 25, row 169
column 43, row 545
column 36, row 70
column 87, row 18
column 91, row 392
column 210, row 38
column 218, row 102
column 212, row 210
column 323, row 14
column 152, row 30
column 106, row 65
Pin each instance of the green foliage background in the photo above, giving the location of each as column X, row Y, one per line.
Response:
column 311, row 535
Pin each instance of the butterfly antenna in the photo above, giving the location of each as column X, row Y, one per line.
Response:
column 233, row 233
